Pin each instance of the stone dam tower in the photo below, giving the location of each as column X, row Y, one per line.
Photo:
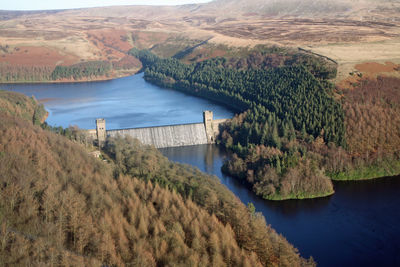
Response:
column 101, row 131
column 208, row 124
column 165, row 136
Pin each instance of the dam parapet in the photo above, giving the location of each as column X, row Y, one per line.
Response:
column 165, row 136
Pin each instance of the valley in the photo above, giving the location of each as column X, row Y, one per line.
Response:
column 313, row 87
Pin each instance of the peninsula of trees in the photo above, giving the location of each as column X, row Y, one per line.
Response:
column 291, row 136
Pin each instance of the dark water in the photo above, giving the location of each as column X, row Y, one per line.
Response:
column 357, row 226
column 128, row 102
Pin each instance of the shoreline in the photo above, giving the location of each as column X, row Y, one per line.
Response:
column 100, row 79
column 364, row 179
column 373, row 172
column 135, row 72
column 175, row 86
column 278, row 198
column 322, row 195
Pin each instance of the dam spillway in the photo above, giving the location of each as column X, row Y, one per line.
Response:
column 166, row 136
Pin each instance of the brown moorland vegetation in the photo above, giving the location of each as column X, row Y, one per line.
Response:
column 112, row 38
column 107, row 33
column 37, row 56
column 377, row 68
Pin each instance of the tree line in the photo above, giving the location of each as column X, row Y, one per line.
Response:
column 283, row 110
column 12, row 73
column 291, row 133
column 82, row 70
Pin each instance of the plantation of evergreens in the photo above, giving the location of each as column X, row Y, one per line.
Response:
column 82, row 70
column 10, row 73
column 291, row 132
column 283, row 105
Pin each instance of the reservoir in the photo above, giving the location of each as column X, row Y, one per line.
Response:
column 358, row 226
column 128, row 102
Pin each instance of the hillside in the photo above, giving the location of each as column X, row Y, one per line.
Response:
column 33, row 44
column 295, row 129
column 21, row 106
column 60, row 206
column 304, row 8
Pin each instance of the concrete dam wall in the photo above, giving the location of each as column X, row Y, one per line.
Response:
column 166, row 136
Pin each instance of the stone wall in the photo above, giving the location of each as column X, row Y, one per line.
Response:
column 166, row 136
column 92, row 134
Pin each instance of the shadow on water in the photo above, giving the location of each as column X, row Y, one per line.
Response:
column 210, row 158
column 357, row 226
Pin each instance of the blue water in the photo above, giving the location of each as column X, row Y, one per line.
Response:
column 128, row 102
column 358, row 226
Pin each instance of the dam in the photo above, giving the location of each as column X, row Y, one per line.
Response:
column 165, row 136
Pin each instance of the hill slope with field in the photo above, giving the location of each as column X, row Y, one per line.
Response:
column 33, row 44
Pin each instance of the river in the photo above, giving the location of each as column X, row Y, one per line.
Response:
column 357, row 226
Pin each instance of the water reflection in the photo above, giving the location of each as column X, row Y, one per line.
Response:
column 291, row 208
column 128, row 102
column 209, row 159
column 357, row 226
